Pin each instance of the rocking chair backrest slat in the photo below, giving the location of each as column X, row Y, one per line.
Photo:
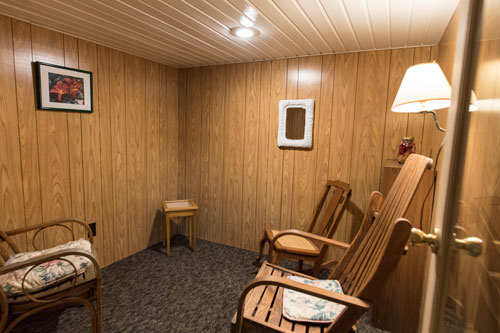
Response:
column 340, row 194
column 317, row 211
column 362, row 260
column 393, row 207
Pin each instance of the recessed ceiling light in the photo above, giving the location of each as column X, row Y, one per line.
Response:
column 244, row 32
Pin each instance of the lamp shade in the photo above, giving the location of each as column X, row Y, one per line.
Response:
column 424, row 88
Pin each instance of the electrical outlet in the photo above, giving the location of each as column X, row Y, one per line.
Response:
column 93, row 228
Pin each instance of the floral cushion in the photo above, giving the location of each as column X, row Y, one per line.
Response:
column 47, row 273
column 302, row 307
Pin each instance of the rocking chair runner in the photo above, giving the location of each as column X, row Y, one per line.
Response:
column 363, row 269
column 70, row 289
column 295, row 244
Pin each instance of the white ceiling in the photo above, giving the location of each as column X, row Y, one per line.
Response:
column 185, row 33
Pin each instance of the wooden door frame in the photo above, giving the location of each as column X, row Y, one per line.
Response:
column 451, row 173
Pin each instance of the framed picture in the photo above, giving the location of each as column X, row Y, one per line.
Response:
column 63, row 88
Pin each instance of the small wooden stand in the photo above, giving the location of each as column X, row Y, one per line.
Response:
column 180, row 208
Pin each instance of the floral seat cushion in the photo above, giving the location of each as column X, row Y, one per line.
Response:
column 302, row 307
column 47, row 273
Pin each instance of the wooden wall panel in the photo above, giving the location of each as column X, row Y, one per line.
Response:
column 107, row 228
column 252, row 182
column 324, row 114
column 305, row 169
column 416, row 121
column 102, row 167
column 274, row 155
column 288, row 153
column 396, row 123
column 153, row 197
column 52, row 130
column 233, row 152
column 27, row 124
column 250, row 155
column 216, row 160
column 71, row 58
column 172, row 143
column 183, row 110
column 203, row 196
column 119, row 153
column 341, row 137
column 263, row 163
column 11, row 184
column 134, row 77
column 91, row 148
column 369, row 117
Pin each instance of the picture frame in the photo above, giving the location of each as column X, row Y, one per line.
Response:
column 62, row 88
column 286, row 118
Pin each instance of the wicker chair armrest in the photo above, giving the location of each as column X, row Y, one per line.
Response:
column 52, row 256
column 349, row 301
column 52, row 223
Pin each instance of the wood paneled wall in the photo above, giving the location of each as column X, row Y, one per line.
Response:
column 229, row 162
column 113, row 166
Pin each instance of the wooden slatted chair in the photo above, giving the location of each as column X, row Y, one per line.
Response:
column 294, row 244
column 28, row 285
column 362, row 271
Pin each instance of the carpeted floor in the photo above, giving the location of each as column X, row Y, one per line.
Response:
column 150, row 292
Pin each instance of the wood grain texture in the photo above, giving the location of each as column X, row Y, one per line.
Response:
column 204, row 197
column 118, row 114
column 52, row 129
column 164, row 149
column 102, row 167
column 288, row 153
column 71, row 58
column 263, row 149
column 396, row 123
column 305, row 168
column 370, row 109
column 216, row 170
column 154, row 217
column 172, row 142
column 416, row 121
column 26, row 110
column 233, row 152
column 108, row 230
column 183, row 105
column 274, row 154
column 91, row 149
column 11, row 182
column 250, row 155
column 341, row 137
column 252, row 182
column 135, row 73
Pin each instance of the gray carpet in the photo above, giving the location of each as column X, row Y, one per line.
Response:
column 150, row 292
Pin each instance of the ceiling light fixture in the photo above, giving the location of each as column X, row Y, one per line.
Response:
column 246, row 22
column 244, row 32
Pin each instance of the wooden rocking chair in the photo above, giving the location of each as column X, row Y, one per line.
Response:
column 361, row 272
column 72, row 287
column 294, row 244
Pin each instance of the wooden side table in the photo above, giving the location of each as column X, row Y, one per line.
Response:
column 180, row 208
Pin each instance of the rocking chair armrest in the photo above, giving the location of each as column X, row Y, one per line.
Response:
column 52, row 223
column 349, row 301
column 52, row 256
column 307, row 235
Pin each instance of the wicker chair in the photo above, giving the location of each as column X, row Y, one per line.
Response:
column 63, row 276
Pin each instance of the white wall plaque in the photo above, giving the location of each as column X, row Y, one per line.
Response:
column 300, row 111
